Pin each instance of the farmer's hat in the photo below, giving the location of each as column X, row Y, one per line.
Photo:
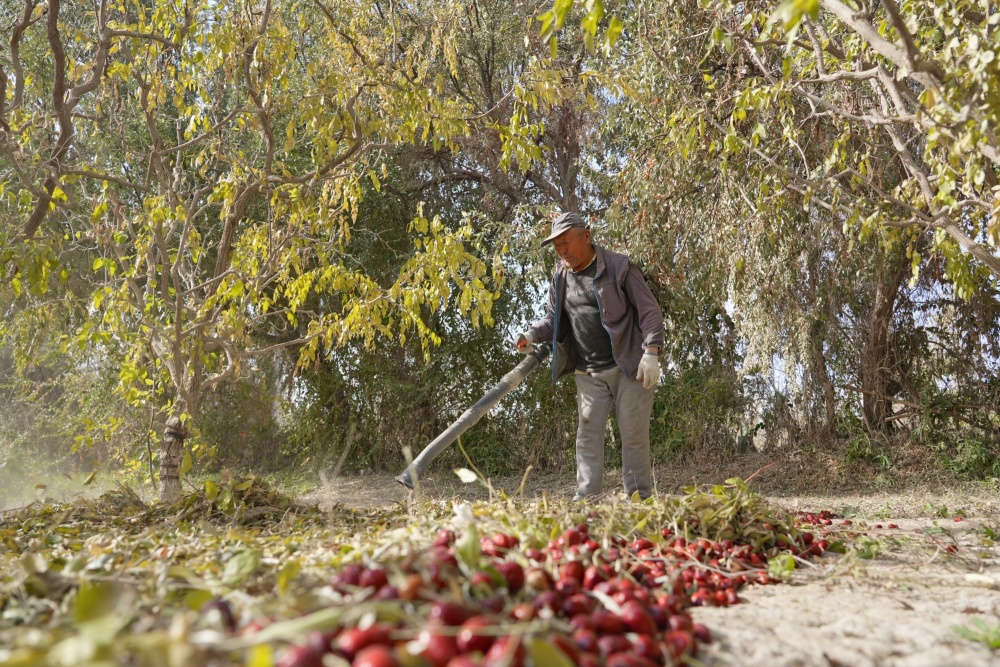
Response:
column 563, row 223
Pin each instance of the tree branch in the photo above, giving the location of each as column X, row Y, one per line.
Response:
column 146, row 36
column 229, row 229
column 916, row 60
column 96, row 175
column 15, row 51
column 65, row 122
column 924, row 73
column 100, row 60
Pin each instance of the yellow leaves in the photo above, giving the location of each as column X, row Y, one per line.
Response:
column 790, row 13
column 420, row 224
column 186, row 463
column 614, row 30
column 119, row 70
column 287, row 575
column 594, row 16
column 313, row 89
column 99, row 211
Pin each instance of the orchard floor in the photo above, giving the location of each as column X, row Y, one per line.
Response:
column 896, row 609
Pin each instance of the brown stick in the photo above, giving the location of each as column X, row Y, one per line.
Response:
column 773, row 463
column 908, row 404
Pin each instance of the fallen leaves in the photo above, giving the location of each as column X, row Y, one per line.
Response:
column 234, row 572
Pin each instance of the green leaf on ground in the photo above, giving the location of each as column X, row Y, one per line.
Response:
column 981, row 632
column 240, row 566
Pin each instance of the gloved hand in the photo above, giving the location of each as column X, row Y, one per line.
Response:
column 523, row 341
column 649, row 370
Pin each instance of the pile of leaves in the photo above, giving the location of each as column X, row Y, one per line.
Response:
column 432, row 583
column 243, row 500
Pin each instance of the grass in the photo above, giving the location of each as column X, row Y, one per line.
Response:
column 987, row 634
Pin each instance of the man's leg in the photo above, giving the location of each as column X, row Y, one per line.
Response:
column 593, row 405
column 634, row 405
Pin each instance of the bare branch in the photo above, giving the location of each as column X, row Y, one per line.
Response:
column 914, row 169
column 100, row 60
column 544, row 185
column 3, row 100
column 278, row 346
column 977, row 250
column 145, row 36
column 96, row 175
column 262, row 113
column 205, row 135
column 229, row 231
column 65, row 121
column 912, row 51
column 336, row 25
column 210, row 282
column 845, row 75
column 817, row 46
column 15, row 51
column 923, row 72
column 16, row 166
column 357, row 146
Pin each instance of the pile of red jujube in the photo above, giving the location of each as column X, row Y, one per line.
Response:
column 821, row 518
column 623, row 604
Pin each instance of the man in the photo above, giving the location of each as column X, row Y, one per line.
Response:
column 607, row 329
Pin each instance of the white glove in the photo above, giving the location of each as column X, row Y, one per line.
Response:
column 524, row 341
column 649, row 370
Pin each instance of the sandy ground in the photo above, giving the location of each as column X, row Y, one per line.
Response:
column 898, row 609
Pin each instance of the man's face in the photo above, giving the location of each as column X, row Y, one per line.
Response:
column 573, row 247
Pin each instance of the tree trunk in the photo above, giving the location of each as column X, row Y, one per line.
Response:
column 876, row 371
column 817, row 338
column 171, row 452
column 820, row 374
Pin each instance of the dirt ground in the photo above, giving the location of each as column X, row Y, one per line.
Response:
column 896, row 609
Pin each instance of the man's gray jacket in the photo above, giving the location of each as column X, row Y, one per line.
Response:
column 629, row 313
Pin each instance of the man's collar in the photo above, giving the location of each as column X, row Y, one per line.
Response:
column 592, row 260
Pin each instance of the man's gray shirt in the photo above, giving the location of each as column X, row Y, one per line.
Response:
column 629, row 313
column 593, row 344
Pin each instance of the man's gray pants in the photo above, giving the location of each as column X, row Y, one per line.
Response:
column 596, row 393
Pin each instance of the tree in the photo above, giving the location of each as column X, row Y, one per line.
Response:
column 769, row 147
column 208, row 161
column 919, row 76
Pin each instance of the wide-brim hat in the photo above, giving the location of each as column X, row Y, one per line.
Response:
column 563, row 223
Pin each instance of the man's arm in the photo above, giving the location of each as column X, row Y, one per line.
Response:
column 650, row 315
column 542, row 329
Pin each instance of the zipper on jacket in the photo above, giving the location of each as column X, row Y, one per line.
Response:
column 600, row 314
column 556, row 316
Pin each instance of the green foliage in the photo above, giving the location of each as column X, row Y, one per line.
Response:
column 861, row 447
column 971, row 458
column 417, row 401
column 867, row 548
column 61, row 418
column 239, row 425
column 981, row 632
column 198, row 575
column 764, row 174
column 593, row 17
column 360, row 193
column 694, row 408
column 781, row 565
